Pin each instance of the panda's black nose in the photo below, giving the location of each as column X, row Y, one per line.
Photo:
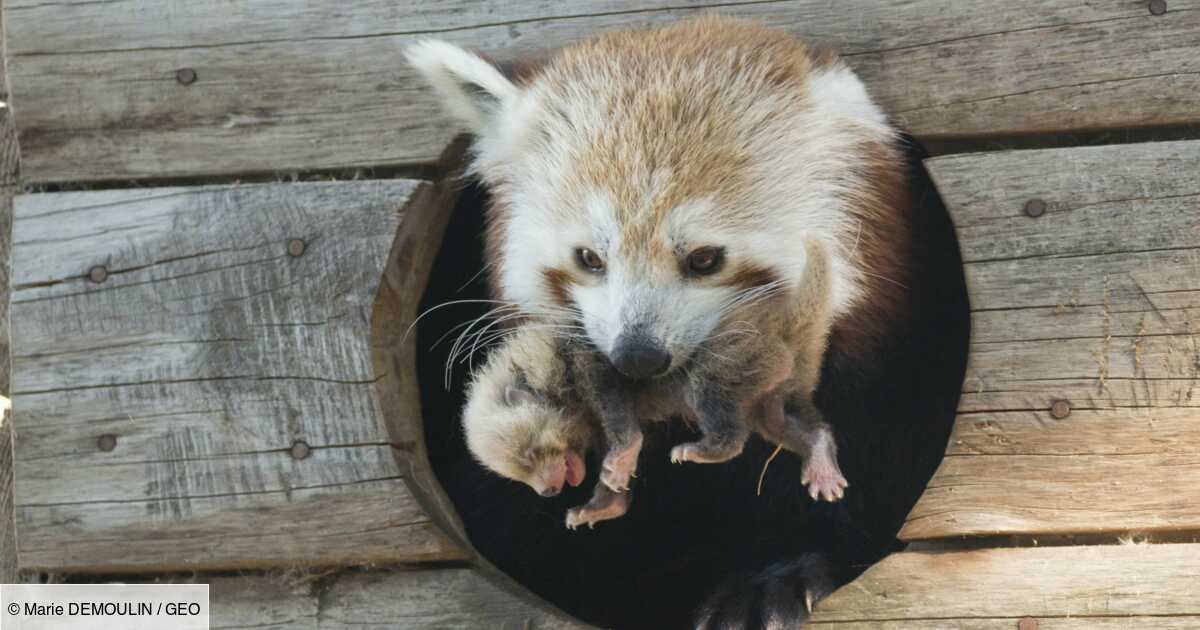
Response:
column 638, row 357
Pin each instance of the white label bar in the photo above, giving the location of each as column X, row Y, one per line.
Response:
column 103, row 606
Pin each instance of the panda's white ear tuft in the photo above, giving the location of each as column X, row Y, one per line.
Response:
column 471, row 88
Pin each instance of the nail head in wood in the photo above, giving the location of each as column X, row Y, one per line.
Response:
column 1060, row 409
column 296, row 247
column 185, row 76
column 106, row 442
column 98, row 274
column 301, row 449
column 1035, row 208
column 1158, row 7
column 1028, row 623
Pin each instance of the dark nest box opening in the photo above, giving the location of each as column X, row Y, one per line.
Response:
column 694, row 530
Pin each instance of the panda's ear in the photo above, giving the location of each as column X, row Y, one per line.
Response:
column 516, row 395
column 471, row 88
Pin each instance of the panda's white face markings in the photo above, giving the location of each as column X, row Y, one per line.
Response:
column 627, row 278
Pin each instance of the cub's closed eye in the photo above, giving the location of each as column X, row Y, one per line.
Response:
column 705, row 261
column 589, row 260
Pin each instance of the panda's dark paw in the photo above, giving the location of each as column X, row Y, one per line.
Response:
column 780, row 595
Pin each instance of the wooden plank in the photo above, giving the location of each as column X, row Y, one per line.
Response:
column 1120, row 586
column 157, row 410
column 8, row 181
column 435, row 598
column 451, row 598
column 282, row 602
column 8, row 540
column 310, row 84
column 1096, row 302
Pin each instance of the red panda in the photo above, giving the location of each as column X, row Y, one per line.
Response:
column 642, row 179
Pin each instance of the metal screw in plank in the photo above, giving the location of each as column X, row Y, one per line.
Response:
column 106, row 442
column 185, row 76
column 1035, row 208
column 301, row 449
column 1060, row 409
column 1158, row 7
column 296, row 247
column 1028, row 623
column 98, row 274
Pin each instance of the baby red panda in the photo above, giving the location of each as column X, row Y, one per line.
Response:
column 534, row 408
column 522, row 420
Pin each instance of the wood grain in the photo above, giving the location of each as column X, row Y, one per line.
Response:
column 8, row 184
column 206, row 353
column 310, row 84
column 282, row 602
column 1096, row 302
column 1134, row 586
column 452, row 598
column 433, row 598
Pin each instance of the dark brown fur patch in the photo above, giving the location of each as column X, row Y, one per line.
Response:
column 883, row 253
column 557, row 284
column 750, row 275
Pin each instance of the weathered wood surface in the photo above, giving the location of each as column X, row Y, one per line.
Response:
column 315, row 84
column 436, row 598
column 1103, row 587
column 262, row 602
column 207, row 352
column 8, row 184
column 1096, row 302
column 452, row 598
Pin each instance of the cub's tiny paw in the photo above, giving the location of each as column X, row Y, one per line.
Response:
column 594, row 512
column 620, row 465
column 698, row 453
column 617, row 480
column 824, row 483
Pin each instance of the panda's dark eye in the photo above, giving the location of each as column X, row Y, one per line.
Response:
column 589, row 260
column 705, row 261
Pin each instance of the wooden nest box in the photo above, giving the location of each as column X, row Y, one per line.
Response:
column 214, row 376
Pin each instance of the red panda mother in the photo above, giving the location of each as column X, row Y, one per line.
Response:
column 640, row 182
